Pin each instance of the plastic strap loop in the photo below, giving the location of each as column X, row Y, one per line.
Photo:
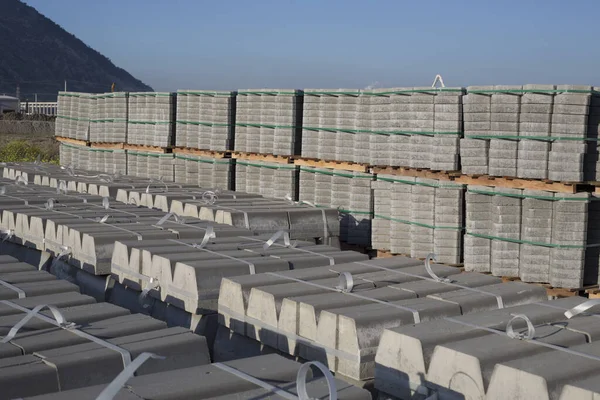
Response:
column 301, row 380
column 346, row 282
column 431, row 257
column 581, row 308
column 518, row 335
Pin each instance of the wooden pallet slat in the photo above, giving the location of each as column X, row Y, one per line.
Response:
column 201, row 152
column 339, row 165
column 75, row 142
column 146, row 148
column 110, row 146
column 520, row 183
column 416, row 172
column 262, row 157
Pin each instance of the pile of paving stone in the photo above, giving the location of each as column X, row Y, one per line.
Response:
column 205, row 119
column 204, row 171
column 273, row 180
column 268, row 121
column 535, row 235
column 151, row 119
column 418, row 216
column 73, row 115
column 108, row 118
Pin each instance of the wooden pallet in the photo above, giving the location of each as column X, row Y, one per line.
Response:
column 262, row 157
column 519, row 183
column 147, row 149
column 416, row 172
column 556, row 292
column 75, row 142
column 593, row 293
column 200, row 152
column 340, row 165
column 108, row 146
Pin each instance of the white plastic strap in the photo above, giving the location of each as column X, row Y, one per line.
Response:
column 159, row 180
column 120, row 380
column 499, row 299
column 209, row 197
column 7, row 233
column 301, row 380
column 518, row 335
column 106, row 203
column 331, row 259
column 2, row 190
column 60, row 322
column 251, row 266
column 277, row 235
column 346, row 282
column 431, row 257
column 532, row 341
column 176, row 217
column 275, row 390
column 415, row 313
column 19, row 292
column 58, row 317
column 50, row 204
column 64, row 250
column 62, row 187
column 581, row 308
column 209, row 233
column 152, row 283
column 20, row 180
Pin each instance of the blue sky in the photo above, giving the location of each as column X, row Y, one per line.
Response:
column 212, row 44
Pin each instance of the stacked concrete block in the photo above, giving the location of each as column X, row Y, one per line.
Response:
column 205, row 119
column 504, row 124
column 361, row 209
column 382, row 206
column 204, row 171
column 447, row 126
column 151, row 165
column 536, row 229
column 474, row 356
column 271, row 120
column 347, row 112
column 477, row 115
column 109, row 115
column 449, row 222
column 303, row 314
column 74, row 110
column 107, row 160
column 400, row 115
column 271, row 180
column 569, row 128
column 401, row 195
column 307, row 185
column 569, row 240
column 330, row 104
column 422, row 217
column 421, row 123
column 478, row 221
column 537, row 104
column 592, row 161
column 506, row 224
column 380, row 139
column 363, row 127
column 310, row 123
column 151, row 119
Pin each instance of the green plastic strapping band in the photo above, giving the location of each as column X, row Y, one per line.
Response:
column 212, row 94
column 109, row 120
column 433, row 185
column 420, row 224
column 201, row 123
column 73, row 118
column 202, row 160
column 264, row 166
column 135, row 153
column 150, row 122
column 405, row 133
column 354, row 212
column 331, row 173
column 370, row 93
column 523, row 91
column 150, row 94
column 525, row 196
column 267, row 126
column 519, row 241
column 244, row 93
column 538, row 138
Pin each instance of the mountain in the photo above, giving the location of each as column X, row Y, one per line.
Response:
column 38, row 55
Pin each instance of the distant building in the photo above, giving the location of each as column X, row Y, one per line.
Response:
column 9, row 103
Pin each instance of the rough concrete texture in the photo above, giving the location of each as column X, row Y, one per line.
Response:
column 151, row 119
column 108, row 118
column 73, row 115
column 301, row 312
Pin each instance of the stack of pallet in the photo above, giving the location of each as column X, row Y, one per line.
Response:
column 273, row 180
column 108, row 123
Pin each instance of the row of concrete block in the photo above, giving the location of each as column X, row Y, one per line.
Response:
column 79, row 347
